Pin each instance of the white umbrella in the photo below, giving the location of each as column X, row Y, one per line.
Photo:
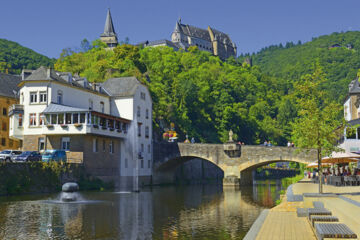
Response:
column 341, row 157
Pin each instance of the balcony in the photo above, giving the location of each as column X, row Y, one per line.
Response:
column 16, row 109
column 62, row 120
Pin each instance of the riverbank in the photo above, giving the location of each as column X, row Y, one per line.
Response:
column 41, row 177
column 282, row 222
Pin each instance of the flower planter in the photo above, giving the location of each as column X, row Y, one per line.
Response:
column 64, row 125
column 111, row 129
column 50, row 126
column 95, row 126
column 104, row 127
column 119, row 131
column 78, row 125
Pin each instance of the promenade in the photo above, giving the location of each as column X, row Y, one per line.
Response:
column 282, row 222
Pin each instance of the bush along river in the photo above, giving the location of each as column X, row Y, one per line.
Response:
column 172, row 212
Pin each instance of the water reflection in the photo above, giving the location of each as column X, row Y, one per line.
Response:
column 196, row 212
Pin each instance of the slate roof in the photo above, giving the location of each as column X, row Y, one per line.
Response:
column 163, row 41
column 8, row 84
column 109, row 29
column 195, row 32
column 121, row 87
column 354, row 86
column 47, row 74
column 57, row 108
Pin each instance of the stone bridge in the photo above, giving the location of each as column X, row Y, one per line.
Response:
column 237, row 161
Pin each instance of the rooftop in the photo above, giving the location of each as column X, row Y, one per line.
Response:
column 9, row 84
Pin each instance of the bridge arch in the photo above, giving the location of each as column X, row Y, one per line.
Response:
column 236, row 161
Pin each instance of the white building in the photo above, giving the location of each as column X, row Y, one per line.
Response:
column 107, row 127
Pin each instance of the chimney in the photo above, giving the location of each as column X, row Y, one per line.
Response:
column 48, row 73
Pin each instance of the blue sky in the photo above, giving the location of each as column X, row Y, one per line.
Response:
column 48, row 26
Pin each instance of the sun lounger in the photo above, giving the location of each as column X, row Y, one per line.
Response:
column 302, row 212
column 318, row 204
column 333, row 230
column 315, row 219
column 318, row 211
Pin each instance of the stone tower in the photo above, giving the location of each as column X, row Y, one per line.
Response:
column 109, row 36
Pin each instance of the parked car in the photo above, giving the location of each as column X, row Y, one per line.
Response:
column 54, row 155
column 28, row 156
column 8, row 155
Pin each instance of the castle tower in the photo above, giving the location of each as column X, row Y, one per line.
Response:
column 109, row 36
column 176, row 35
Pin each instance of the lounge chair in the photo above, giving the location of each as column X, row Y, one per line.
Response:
column 315, row 219
column 318, row 211
column 333, row 230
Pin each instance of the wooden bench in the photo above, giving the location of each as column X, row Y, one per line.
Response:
column 333, row 230
column 315, row 219
column 318, row 211
column 302, row 212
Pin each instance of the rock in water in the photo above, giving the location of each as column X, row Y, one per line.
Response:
column 70, row 187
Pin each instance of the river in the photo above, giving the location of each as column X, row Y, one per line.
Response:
column 186, row 212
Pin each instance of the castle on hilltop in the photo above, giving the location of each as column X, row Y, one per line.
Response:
column 183, row 36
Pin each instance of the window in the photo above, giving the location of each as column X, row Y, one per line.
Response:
column 82, row 117
column 68, row 118
column 147, row 114
column 41, row 145
column 147, row 132
column 91, row 104
column 4, row 111
column 32, row 119
column 149, row 163
column 138, row 112
column 53, row 118
column 61, row 118
column 4, row 126
column 102, row 107
column 75, row 118
column 3, row 141
column 95, row 145
column 43, row 97
column 111, row 147
column 42, row 119
column 142, row 148
column 142, row 95
column 104, row 146
column 139, row 129
column 126, row 163
column 20, row 120
column 11, row 142
column 149, row 148
column 33, row 97
column 59, row 97
column 142, row 163
column 65, row 143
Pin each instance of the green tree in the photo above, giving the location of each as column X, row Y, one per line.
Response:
column 319, row 124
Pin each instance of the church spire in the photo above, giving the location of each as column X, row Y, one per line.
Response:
column 109, row 36
column 109, row 26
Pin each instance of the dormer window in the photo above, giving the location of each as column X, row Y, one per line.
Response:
column 59, row 97
column 138, row 111
column 142, row 95
column 91, row 104
column 102, row 107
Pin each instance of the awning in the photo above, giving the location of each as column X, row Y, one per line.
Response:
column 57, row 108
column 341, row 157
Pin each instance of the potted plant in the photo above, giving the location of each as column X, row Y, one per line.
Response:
column 95, row 126
column 64, row 125
column 49, row 125
column 78, row 125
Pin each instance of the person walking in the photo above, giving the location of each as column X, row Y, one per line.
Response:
column 289, row 144
column 192, row 140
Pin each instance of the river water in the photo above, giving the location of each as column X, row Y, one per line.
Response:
column 189, row 212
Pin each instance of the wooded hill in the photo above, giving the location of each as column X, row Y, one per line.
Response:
column 14, row 58
column 338, row 54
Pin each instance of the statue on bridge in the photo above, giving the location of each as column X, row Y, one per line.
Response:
column 231, row 136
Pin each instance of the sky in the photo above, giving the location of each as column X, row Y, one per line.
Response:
column 48, row 26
